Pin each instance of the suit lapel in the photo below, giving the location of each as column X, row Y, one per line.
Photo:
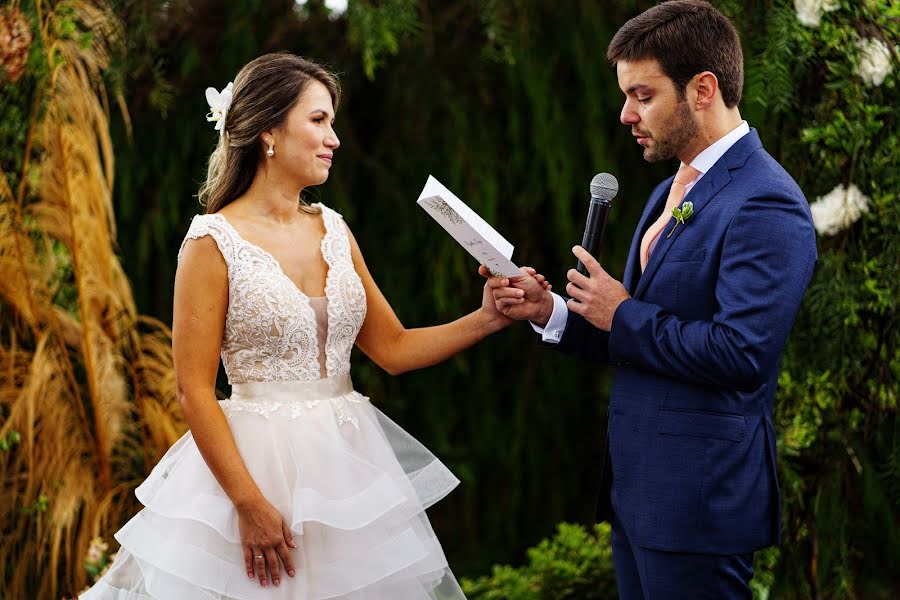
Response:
column 701, row 194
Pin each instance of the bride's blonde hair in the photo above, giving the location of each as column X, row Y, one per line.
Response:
column 265, row 90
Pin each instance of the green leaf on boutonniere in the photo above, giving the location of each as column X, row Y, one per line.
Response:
column 681, row 215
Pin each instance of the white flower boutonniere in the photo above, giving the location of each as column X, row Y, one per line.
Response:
column 219, row 103
column 681, row 215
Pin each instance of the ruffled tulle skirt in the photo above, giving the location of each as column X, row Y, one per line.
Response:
column 351, row 485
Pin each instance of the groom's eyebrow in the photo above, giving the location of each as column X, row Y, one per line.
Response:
column 638, row 86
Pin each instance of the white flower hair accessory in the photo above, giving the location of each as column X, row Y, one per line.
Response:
column 219, row 103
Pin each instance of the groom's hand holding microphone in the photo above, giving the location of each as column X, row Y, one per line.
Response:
column 595, row 297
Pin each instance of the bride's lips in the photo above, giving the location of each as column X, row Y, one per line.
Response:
column 326, row 157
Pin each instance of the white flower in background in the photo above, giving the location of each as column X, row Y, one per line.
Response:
column 810, row 11
column 97, row 551
column 838, row 209
column 874, row 61
column 219, row 103
column 335, row 7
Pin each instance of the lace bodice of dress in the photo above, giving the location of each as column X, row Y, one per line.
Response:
column 270, row 327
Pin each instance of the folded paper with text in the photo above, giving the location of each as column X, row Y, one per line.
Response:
column 471, row 231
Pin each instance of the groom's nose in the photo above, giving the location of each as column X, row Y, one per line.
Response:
column 629, row 116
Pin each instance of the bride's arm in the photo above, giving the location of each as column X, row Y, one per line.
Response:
column 396, row 349
column 198, row 322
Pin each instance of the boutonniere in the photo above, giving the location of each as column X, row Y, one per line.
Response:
column 681, row 215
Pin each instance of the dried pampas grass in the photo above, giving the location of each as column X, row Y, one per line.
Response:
column 87, row 390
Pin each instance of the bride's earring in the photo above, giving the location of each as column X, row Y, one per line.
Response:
column 271, row 150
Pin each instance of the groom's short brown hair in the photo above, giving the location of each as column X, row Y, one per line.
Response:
column 685, row 37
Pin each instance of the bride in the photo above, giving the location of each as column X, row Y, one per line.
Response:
column 295, row 487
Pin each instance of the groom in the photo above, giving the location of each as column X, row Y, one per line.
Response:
column 698, row 324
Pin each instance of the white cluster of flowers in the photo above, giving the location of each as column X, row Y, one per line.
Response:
column 838, row 209
column 810, row 11
column 96, row 562
column 335, row 7
column 97, row 551
column 874, row 61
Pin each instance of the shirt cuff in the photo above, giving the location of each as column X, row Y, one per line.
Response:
column 553, row 332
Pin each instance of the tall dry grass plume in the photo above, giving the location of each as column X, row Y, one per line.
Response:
column 87, row 391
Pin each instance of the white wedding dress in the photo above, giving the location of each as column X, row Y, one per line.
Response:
column 351, row 484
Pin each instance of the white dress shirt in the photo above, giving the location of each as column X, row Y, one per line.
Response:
column 703, row 162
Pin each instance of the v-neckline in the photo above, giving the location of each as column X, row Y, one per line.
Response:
column 277, row 263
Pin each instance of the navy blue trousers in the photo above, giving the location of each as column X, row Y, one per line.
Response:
column 645, row 574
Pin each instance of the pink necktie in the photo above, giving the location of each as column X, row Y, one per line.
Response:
column 685, row 175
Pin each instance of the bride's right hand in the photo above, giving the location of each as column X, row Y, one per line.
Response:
column 266, row 540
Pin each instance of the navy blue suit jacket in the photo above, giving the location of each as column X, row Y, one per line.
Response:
column 691, row 440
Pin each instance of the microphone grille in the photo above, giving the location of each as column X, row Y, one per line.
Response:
column 604, row 186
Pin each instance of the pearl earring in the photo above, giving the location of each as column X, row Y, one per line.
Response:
column 271, row 150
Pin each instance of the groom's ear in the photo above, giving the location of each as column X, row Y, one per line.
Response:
column 705, row 89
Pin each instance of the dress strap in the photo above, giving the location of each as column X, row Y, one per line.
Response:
column 346, row 295
column 216, row 227
column 336, row 244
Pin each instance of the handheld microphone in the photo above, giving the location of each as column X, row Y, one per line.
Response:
column 604, row 188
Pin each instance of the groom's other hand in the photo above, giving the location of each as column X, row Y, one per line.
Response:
column 597, row 297
column 523, row 298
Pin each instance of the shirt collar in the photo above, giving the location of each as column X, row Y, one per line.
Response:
column 704, row 161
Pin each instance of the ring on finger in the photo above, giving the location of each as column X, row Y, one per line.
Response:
column 259, row 557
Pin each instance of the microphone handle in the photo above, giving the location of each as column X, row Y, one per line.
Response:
column 594, row 230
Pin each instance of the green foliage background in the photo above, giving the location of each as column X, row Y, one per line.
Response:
column 512, row 105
